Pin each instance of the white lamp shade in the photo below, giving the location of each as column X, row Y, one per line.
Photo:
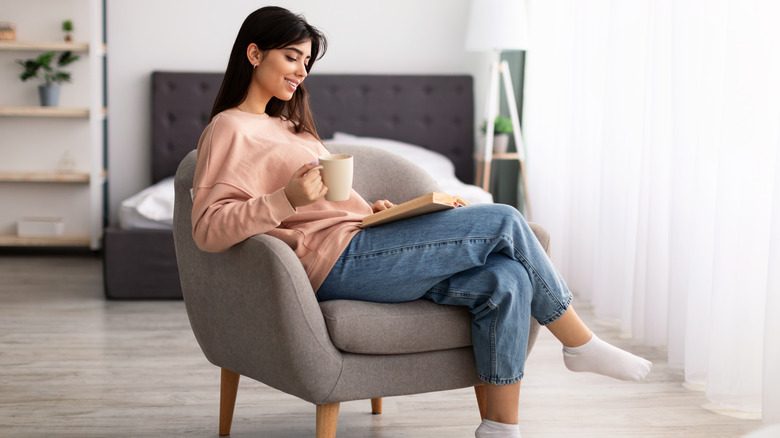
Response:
column 497, row 25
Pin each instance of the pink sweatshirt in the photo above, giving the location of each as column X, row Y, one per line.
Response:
column 244, row 162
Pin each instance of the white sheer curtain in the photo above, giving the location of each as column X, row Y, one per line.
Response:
column 653, row 131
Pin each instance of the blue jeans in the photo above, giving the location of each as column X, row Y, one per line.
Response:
column 483, row 257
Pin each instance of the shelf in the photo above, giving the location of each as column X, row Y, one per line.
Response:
column 43, row 111
column 45, row 46
column 61, row 241
column 504, row 156
column 45, row 177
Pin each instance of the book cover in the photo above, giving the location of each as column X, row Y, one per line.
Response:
column 429, row 203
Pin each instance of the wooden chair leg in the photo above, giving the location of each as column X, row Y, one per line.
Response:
column 376, row 406
column 327, row 420
column 481, row 400
column 227, row 400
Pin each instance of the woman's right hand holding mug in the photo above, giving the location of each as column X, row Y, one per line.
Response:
column 305, row 186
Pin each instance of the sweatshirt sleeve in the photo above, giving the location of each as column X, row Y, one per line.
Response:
column 223, row 216
column 225, row 212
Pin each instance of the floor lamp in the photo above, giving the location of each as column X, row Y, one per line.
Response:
column 495, row 26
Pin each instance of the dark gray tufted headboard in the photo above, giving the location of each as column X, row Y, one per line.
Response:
column 181, row 104
column 435, row 112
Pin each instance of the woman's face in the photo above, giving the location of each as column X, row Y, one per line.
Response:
column 280, row 71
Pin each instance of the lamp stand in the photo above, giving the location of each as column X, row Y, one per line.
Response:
column 501, row 68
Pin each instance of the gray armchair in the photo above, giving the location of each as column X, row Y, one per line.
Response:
column 254, row 313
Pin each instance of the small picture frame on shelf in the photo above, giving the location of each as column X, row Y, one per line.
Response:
column 7, row 31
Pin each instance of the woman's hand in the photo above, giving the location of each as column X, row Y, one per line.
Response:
column 305, row 186
column 380, row 205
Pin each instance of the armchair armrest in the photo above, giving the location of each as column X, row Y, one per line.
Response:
column 253, row 311
column 252, row 308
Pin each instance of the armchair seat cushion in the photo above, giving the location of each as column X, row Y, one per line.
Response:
column 413, row 327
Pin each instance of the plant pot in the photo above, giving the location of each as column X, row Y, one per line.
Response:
column 500, row 143
column 50, row 95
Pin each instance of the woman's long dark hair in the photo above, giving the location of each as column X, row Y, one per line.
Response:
column 270, row 28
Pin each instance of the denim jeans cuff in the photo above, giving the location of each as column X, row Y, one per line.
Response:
column 557, row 314
column 496, row 381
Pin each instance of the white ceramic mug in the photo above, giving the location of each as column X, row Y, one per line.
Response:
column 336, row 170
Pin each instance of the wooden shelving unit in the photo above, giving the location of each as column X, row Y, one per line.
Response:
column 33, row 136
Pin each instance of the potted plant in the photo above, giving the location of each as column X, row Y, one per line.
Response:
column 50, row 76
column 67, row 27
column 502, row 127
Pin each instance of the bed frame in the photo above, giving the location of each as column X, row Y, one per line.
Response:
column 435, row 112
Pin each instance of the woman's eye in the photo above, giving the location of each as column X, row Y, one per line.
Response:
column 291, row 59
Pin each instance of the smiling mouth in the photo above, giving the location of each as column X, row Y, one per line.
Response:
column 292, row 84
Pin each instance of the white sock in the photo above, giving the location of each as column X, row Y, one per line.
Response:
column 597, row 356
column 492, row 429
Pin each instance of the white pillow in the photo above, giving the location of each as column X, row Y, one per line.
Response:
column 436, row 164
column 149, row 208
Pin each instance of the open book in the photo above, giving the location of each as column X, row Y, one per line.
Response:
column 424, row 204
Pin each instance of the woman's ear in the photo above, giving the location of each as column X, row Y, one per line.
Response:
column 253, row 54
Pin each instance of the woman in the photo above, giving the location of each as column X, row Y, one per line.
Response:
column 256, row 174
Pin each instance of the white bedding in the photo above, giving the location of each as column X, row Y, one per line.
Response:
column 152, row 208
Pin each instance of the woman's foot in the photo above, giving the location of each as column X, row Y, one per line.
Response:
column 597, row 356
column 493, row 429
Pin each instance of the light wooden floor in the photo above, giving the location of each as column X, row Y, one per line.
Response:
column 75, row 365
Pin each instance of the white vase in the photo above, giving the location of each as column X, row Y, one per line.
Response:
column 500, row 143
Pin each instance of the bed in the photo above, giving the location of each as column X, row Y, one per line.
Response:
column 429, row 119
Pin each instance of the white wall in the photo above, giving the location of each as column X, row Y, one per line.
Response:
column 391, row 36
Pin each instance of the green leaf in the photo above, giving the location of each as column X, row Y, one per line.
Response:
column 62, row 77
column 503, row 125
column 42, row 69
column 30, row 69
column 66, row 58
column 45, row 59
